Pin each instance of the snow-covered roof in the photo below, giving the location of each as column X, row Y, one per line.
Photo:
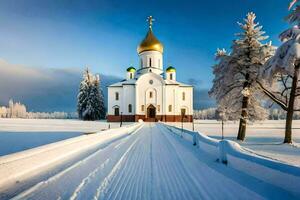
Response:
column 172, row 82
column 124, row 82
column 133, row 81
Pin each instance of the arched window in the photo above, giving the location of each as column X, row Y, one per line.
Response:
column 150, row 94
column 150, row 62
column 141, row 62
column 171, row 76
column 142, row 108
column 117, row 96
column 130, row 108
column 131, row 75
column 170, row 108
column 117, row 111
column 159, row 65
column 183, row 96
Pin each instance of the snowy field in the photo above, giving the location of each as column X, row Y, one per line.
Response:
column 264, row 138
column 147, row 162
column 22, row 134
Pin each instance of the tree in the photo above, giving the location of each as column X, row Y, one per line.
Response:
column 90, row 104
column 282, row 72
column 235, row 85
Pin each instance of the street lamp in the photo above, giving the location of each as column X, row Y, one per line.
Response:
column 121, row 121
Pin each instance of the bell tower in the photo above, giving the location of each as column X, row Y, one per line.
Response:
column 150, row 52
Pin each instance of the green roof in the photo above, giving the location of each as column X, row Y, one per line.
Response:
column 131, row 69
column 171, row 69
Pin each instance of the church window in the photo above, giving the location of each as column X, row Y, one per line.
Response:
column 151, row 82
column 170, row 108
column 151, row 94
column 130, row 108
column 150, row 70
column 117, row 111
column 131, row 75
column 117, row 96
column 171, row 76
column 143, row 108
column 141, row 62
column 150, row 62
column 159, row 63
column 158, row 108
column 183, row 96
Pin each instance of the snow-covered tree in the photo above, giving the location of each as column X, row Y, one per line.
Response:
column 282, row 72
column 90, row 104
column 235, row 85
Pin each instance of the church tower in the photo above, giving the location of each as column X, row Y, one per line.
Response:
column 150, row 52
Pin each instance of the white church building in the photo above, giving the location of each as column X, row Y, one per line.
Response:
column 150, row 93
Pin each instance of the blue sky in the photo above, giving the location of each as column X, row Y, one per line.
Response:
column 64, row 34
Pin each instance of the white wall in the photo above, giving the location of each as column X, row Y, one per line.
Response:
column 143, row 88
column 156, row 62
column 128, row 97
column 112, row 101
column 174, row 97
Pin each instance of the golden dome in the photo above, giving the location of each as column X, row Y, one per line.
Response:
column 150, row 42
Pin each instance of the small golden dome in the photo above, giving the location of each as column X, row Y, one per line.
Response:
column 150, row 42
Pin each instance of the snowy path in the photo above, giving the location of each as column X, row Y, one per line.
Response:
column 152, row 163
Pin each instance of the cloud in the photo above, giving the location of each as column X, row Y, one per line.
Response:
column 56, row 89
column 43, row 89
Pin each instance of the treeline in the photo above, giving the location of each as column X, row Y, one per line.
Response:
column 212, row 114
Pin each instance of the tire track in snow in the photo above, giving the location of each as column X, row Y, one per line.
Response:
column 130, row 179
column 175, row 177
column 102, row 189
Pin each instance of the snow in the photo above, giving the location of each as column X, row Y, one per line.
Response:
column 150, row 163
column 265, row 138
column 19, row 169
column 36, row 132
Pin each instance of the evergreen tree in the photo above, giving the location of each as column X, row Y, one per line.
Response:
column 90, row 98
column 234, row 86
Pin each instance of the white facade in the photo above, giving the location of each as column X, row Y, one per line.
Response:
column 149, row 93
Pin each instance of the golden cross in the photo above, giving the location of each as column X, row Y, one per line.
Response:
column 150, row 20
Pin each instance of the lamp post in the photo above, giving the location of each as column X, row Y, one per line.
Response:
column 193, row 125
column 121, row 121
column 182, row 125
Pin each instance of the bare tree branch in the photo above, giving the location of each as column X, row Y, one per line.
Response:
column 273, row 97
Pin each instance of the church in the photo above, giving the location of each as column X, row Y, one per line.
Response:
column 150, row 93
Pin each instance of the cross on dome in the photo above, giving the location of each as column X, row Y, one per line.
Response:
column 150, row 20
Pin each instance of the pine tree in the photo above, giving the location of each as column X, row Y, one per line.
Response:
column 235, row 85
column 282, row 72
column 90, row 104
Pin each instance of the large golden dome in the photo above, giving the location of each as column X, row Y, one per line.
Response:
column 150, row 42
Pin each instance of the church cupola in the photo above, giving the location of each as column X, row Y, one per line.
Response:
column 130, row 73
column 171, row 73
column 150, row 52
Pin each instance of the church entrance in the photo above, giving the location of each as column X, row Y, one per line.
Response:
column 151, row 113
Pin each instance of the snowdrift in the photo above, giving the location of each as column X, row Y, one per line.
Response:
column 231, row 153
column 19, row 167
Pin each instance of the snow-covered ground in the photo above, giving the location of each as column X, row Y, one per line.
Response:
column 150, row 163
column 21, row 134
column 265, row 138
